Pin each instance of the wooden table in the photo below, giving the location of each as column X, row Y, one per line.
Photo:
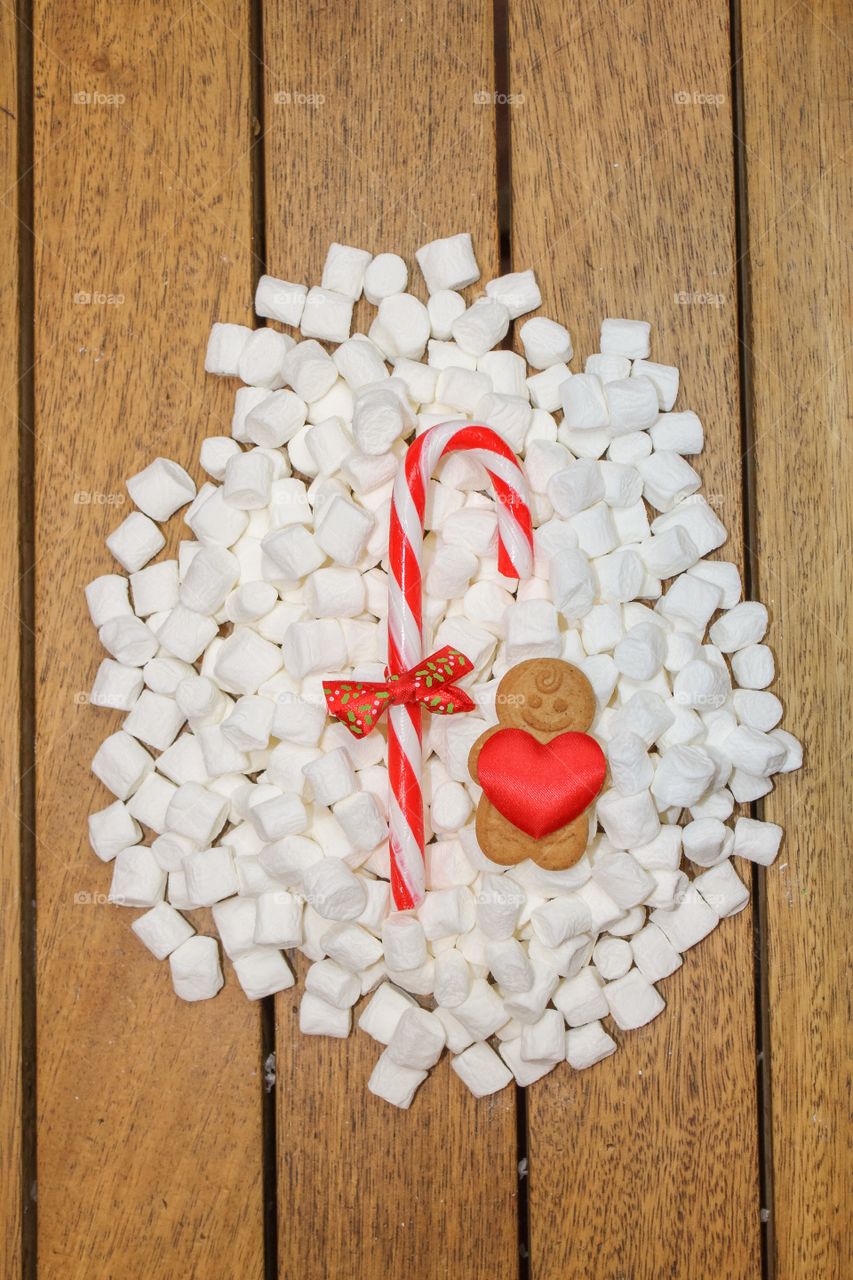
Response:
column 666, row 160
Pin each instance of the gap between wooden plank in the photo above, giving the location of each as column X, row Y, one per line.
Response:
column 757, row 879
column 27, row 631
column 503, row 172
column 269, row 1156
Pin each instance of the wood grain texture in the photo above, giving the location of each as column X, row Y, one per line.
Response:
column 798, row 136
column 396, row 152
column 10, row 629
column 149, row 1147
column 622, row 201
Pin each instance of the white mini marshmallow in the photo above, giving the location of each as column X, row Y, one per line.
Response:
column 121, row 764
column 609, row 367
column 757, row 709
column 351, row 946
column 379, row 418
column 381, row 1014
column 195, row 968
column 665, row 380
column 481, row 327
column 444, row 306
column 753, row 667
column 245, row 660
column 393, row 1083
column 667, row 479
column 518, row 291
column 499, row 905
column 706, row 841
column 623, row 486
column 612, row 958
column 135, row 541
column 532, row 631
column 526, row 1073
column 155, row 589
column 161, row 488
column 743, row 625
column 342, row 530
column 632, row 405
column 274, row 421
column 757, row 841
column 691, row 920
column 111, row 830
column 278, row 920
column 327, row 314
column 154, row 720
column 404, row 942
column 116, row 685
column 262, row 972
column 576, row 488
column 385, row 275
column 450, row 807
column 625, row 338
column 333, row 890
column 224, row 348
column 483, row 1012
column 280, row 300
column 628, row 820
column 587, row 1045
column 545, row 1039
column 448, row 263
column 344, row 269
column 138, row 879
column 210, row 875
column 106, row 598
column 197, row 813
column 581, row 999
column 584, row 403
column 678, row 432
column 654, row 955
column 331, row 777
column 262, row 358
column 545, row 342
column 401, row 327
column 162, row 930
column 452, row 978
column 682, row 777
column 481, row 1070
column 319, row 1018
column 723, row 889
column 418, row 1039
column 633, row 1001
column 279, row 816
column 754, row 752
column 309, row 370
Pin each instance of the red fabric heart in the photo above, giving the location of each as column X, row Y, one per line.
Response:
column 541, row 786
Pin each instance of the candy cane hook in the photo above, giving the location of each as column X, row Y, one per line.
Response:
column 405, row 617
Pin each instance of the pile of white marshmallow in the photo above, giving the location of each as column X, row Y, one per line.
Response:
column 263, row 809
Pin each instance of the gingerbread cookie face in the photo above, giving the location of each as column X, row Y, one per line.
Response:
column 539, row 770
column 547, row 696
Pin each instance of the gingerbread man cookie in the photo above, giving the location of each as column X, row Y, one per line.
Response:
column 539, row 770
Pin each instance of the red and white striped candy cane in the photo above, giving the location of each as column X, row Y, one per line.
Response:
column 405, row 619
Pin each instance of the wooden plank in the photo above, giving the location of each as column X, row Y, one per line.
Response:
column 395, row 151
column 796, row 64
column 11, row 1097
column 622, row 201
column 149, row 1144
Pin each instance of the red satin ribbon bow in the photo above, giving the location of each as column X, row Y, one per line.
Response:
column 359, row 704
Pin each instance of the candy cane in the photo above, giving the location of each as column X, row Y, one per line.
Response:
column 405, row 619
